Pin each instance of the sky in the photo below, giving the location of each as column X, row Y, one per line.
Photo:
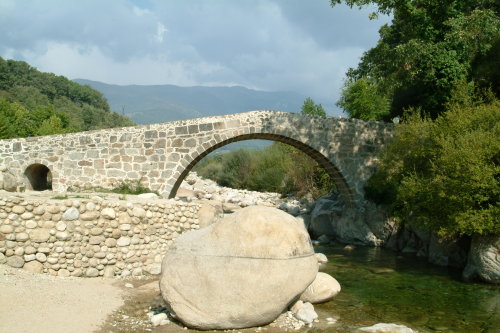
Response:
column 272, row 45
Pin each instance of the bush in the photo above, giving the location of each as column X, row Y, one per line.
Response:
column 278, row 168
column 135, row 188
column 444, row 175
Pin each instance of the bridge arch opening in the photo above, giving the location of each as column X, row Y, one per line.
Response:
column 38, row 177
column 323, row 161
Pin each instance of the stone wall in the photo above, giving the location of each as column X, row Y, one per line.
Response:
column 91, row 236
column 161, row 155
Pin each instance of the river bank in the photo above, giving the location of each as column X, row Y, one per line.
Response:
column 378, row 286
column 40, row 303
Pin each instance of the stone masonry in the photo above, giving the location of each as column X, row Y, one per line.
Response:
column 91, row 236
column 161, row 155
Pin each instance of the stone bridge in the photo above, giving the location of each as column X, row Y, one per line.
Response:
column 161, row 155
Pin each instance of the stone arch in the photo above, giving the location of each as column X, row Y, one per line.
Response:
column 38, row 177
column 323, row 161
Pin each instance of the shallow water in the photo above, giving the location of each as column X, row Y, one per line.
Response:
column 379, row 285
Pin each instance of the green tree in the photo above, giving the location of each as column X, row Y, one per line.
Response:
column 36, row 103
column 6, row 120
column 444, row 174
column 52, row 125
column 429, row 48
column 310, row 108
column 279, row 168
column 361, row 99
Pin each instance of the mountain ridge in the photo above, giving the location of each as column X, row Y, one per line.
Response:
column 147, row 104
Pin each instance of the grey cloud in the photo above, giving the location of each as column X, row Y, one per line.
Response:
column 298, row 45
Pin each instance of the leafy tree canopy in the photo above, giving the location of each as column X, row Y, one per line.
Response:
column 278, row 168
column 429, row 49
column 444, row 175
column 35, row 103
column 313, row 109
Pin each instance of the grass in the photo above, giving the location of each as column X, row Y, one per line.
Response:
column 60, row 197
column 64, row 197
column 125, row 187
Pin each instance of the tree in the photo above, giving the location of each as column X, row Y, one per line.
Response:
column 360, row 99
column 52, row 125
column 6, row 126
column 36, row 103
column 444, row 175
column 429, row 49
column 310, row 108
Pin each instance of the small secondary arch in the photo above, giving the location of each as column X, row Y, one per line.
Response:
column 38, row 177
column 323, row 161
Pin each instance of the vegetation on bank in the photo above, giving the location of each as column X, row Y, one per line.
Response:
column 444, row 174
column 34, row 103
column 277, row 168
column 436, row 68
column 430, row 49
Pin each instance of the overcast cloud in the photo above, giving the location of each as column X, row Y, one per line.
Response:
column 297, row 45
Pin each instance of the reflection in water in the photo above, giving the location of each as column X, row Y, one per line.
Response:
column 379, row 285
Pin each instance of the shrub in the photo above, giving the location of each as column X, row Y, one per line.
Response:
column 134, row 188
column 278, row 168
column 444, row 175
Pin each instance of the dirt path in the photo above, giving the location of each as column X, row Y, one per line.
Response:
column 38, row 303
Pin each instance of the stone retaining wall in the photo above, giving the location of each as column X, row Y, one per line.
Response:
column 91, row 236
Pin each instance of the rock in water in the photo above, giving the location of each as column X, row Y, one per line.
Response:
column 387, row 328
column 484, row 259
column 306, row 313
column 242, row 271
column 323, row 289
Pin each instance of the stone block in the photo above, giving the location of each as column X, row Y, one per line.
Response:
column 181, row 130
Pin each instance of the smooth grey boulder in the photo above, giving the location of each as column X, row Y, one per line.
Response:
column 323, row 289
column 242, row 271
column 367, row 224
column 322, row 260
column 484, row 259
column 306, row 313
column 444, row 252
column 209, row 213
column 326, row 209
column 387, row 328
column 8, row 181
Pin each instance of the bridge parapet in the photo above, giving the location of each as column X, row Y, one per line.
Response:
column 161, row 155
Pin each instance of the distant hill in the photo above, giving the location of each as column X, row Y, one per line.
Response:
column 35, row 103
column 161, row 103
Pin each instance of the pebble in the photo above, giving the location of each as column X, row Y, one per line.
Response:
column 159, row 319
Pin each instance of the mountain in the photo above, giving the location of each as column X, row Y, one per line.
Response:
column 162, row 103
column 35, row 103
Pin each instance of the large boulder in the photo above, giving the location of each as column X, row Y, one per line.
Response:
column 445, row 252
column 323, row 289
column 484, row 259
column 242, row 271
column 387, row 328
column 326, row 210
column 209, row 213
column 8, row 181
column 366, row 224
column 184, row 193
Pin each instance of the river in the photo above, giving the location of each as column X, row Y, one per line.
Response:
column 379, row 285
